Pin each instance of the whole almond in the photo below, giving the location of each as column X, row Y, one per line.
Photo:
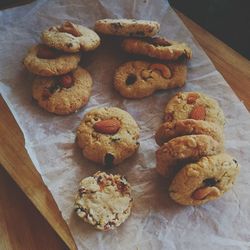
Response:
column 202, row 193
column 198, row 113
column 70, row 28
column 165, row 71
column 110, row 126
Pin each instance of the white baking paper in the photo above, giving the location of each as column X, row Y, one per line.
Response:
column 156, row 222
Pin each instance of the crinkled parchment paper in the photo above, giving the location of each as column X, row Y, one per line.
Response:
column 156, row 222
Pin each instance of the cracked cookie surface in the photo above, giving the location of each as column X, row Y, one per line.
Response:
column 104, row 200
column 63, row 94
column 138, row 79
column 194, row 105
column 71, row 37
column 108, row 135
column 157, row 47
column 203, row 181
column 184, row 148
column 56, row 63
column 127, row 27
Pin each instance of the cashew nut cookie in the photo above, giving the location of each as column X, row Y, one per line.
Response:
column 205, row 180
column 138, row 79
column 44, row 61
column 71, row 37
column 170, row 130
column 194, row 105
column 104, row 200
column 64, row 94
column 157, row 47
column 184, row 148
column 108, row 135
column 127, row 27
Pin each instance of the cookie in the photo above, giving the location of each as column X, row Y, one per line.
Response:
column 65, row 94
column 205, row 180
column 71, row 37
column 108, row 135
column 44, row 61
column 170, row 130
column 104, row 200
column 194, row 105
column 138, row 79
column 127, row 27
column 184, row 148
column 157, row 47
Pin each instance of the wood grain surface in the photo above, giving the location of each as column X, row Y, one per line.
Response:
column 21, row 225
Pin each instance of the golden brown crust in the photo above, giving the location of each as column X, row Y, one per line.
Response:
column 170, row 50
column 170, row 130
column 217, row 171
column 63, row 64
column 188, row 147
column 62, row 100
column 55, row 37
column 138, row 79
column 127, row 27
column 103, row 148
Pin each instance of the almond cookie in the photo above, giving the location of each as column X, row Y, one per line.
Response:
column 108, row 135
column 127, row 27
column 205, row 180
column 170, row 130
column 104, row 200
column 138, row 79
column 44, row 61
column 71, row 37
column 65, row 94
column 194, row 105
column 184, row 148
column 157, row 47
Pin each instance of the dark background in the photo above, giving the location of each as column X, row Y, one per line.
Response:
column 228, row 20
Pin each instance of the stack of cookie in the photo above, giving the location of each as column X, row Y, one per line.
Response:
column 62, row 86
column 138, row 79
column 192, row 148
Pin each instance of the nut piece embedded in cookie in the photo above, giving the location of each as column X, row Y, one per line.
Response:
column 108, row 135
column 138, row 79
column 157, row 47
column 71, row 37
column 206, row 180
column 127, row 27
column 64, row 94
column 104, row 200
column 194, row 105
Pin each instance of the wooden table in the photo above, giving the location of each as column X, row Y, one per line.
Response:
column 22, row 226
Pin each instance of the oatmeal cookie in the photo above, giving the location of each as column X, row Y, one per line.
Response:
column 138, row 79
column 71, row 37
column 157, row 47
column 63, row 94
column 184, row 148
column 44, row 61
column 127, row 27
column 203, row 181
column 108, row 135
column 104, row 200
column 194, row 105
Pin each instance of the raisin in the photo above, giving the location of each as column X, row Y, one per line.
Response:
column 210, row 182
column 131, row 79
